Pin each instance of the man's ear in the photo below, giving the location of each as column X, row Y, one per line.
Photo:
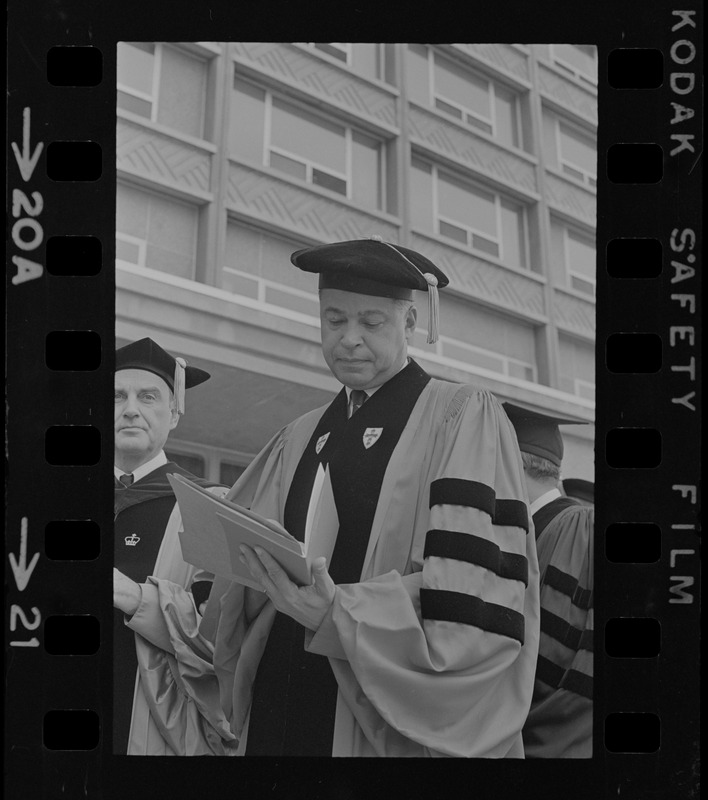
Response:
column 411, row 320
column 175, row 416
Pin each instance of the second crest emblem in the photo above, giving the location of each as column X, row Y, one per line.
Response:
column 371, row 436
column 321, row 442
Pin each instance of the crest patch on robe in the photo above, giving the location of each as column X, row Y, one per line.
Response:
column 371, row 436
column 132, row 540
column 321, row 442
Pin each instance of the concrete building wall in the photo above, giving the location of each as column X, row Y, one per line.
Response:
column 232, row 155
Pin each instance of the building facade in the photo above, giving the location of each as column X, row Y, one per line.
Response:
column 230, row 156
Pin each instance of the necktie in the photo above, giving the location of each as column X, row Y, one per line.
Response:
column 356, row 400
column 126, row 479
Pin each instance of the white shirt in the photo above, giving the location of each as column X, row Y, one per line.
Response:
column 144, row 469
column 544, row 500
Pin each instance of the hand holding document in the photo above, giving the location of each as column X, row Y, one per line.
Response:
column 214, row 528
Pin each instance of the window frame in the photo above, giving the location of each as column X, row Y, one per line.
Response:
column 568, row 231
column 490, row 354
column 347, row 49
column 141, row 245
column 470, row 231
column 310, row 166
column 588, row 179
column 213, row 456
column 579, row 383
column 344, row 47
column 188, row 203
column 576, row 72
column 493, row 122
column 153, row 98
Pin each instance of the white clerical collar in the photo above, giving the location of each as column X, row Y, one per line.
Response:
column 144, row 469
column 369, row 392
column 544, row 500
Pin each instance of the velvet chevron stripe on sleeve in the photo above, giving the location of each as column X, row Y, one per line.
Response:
column 569, row 586
column 476, row 550
column 459, row 492
column 446, row 606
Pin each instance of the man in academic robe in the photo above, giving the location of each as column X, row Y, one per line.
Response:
column 166, row 698
column 583, row 491
column 560, row 720
column 419, row 637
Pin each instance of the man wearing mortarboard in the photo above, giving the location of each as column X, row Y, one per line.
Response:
column 165, row 693
column 560, row 721
column 420, row 637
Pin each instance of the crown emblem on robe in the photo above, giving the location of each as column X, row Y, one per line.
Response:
column 132, row 540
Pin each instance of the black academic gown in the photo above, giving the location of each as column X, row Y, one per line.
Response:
column 142, row 511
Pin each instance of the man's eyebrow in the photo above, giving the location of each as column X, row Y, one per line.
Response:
column 369, row 312
column 141, row 389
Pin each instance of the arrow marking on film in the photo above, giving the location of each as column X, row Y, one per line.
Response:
column 26, row 160
column 20, row 570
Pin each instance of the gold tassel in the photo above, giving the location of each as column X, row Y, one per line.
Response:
column 433, row 308
column 180, row 380
column 433, row 298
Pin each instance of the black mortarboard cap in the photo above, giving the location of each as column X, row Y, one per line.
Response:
column 539, row 433
column 374, row 267
column 579, row 488
column 148, row 355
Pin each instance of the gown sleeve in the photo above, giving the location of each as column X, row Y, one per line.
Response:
column 175, row 661
column 149, row 619
column 445, row 656
column 560, row 722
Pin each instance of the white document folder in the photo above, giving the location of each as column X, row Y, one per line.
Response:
column 214, row 529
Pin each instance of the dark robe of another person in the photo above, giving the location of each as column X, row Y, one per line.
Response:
column 559, row 724
column 141, row 511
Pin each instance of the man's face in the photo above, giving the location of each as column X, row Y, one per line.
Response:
column 144, row 415
column 364, row 339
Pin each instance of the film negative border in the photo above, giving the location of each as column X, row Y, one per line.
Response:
column 650, row 414
column 60, row 297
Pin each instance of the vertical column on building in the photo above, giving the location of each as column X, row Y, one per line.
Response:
column 212, row 239
column 403, row 147
column 547, row 348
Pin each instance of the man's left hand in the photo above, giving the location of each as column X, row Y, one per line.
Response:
column 307, row 605
column 127, row 594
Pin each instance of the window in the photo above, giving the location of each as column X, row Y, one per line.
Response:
column 339, row 50
column 365, row 58
column 577, row 367
column 136, row 77
column 130, row 249
column 192, row 463
column 487, row 339
column 163, row 84
column 230, row 473
column 580, row 261
column 458, row 92
column 577, row 154
column 580, row 60
column 476, row 218
column 486, row 359
column 274, row 132
column 156, row 231
column 308, row 147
